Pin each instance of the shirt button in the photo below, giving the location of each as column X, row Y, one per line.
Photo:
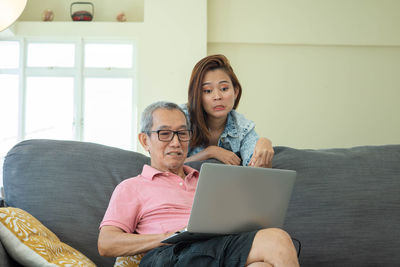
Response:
column 180, row 183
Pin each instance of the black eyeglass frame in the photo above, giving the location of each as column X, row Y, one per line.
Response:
column 173, row 134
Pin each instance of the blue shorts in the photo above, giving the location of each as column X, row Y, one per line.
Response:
column 229, row 250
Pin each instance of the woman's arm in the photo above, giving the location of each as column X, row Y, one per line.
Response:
column 221, row 154
column 263, row 153
column 114, row 242
column 256, row 151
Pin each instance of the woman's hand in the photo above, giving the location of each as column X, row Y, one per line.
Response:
column 223, row 155
column 263, row 154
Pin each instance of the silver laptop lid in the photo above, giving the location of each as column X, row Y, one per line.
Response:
column 232, row 199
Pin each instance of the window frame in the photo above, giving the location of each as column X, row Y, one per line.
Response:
column 79, row 73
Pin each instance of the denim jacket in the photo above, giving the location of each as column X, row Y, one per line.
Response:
column 239, row 136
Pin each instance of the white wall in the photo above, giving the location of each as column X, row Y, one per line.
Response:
column 315, row 74
column 175, row 37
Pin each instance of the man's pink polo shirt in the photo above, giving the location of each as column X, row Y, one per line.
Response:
column 153, row 202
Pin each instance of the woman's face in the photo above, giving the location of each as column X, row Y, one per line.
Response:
column 218, row 94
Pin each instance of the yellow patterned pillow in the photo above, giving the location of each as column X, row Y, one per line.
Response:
column 31, row 244
column 129, row 261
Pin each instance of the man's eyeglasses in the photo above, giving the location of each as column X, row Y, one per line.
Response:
column 168, row 135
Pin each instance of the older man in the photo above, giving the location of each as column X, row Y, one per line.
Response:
column 148, row 208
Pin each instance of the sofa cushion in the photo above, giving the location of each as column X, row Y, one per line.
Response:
column 32, row 244
column 128, row 261
column 345, row 204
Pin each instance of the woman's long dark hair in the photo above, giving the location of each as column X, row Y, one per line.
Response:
column 201, row 134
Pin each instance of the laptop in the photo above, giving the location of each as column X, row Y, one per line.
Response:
column 233, row 199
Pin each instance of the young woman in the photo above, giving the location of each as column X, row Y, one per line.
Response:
column 218, row 130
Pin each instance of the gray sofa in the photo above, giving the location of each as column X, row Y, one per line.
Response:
column 345, row 207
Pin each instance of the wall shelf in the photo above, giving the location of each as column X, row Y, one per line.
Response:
column 104, row 10
column 77, row 28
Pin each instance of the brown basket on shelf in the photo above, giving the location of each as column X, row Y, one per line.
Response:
column 82, row 15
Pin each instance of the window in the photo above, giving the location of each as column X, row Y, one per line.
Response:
column 9, row 54
column 105, row 100
column 51, row 55
column 108, row 56
column 49, row 108
column 8, row 112
column 70, row 90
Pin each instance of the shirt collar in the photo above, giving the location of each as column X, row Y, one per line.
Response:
column 149, row 172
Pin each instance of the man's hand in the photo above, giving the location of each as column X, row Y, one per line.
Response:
column 263, row 154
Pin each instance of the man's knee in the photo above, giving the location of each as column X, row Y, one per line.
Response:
column 275, row 235
column 273, row 246
column 274, row 240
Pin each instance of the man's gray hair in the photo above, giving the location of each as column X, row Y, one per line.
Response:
column 146, row 122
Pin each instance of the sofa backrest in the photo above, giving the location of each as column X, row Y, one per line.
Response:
column 345, row 206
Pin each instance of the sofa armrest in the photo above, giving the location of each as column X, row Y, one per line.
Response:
column 2, row 201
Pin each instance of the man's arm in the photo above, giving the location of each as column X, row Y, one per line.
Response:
column 114, row 242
